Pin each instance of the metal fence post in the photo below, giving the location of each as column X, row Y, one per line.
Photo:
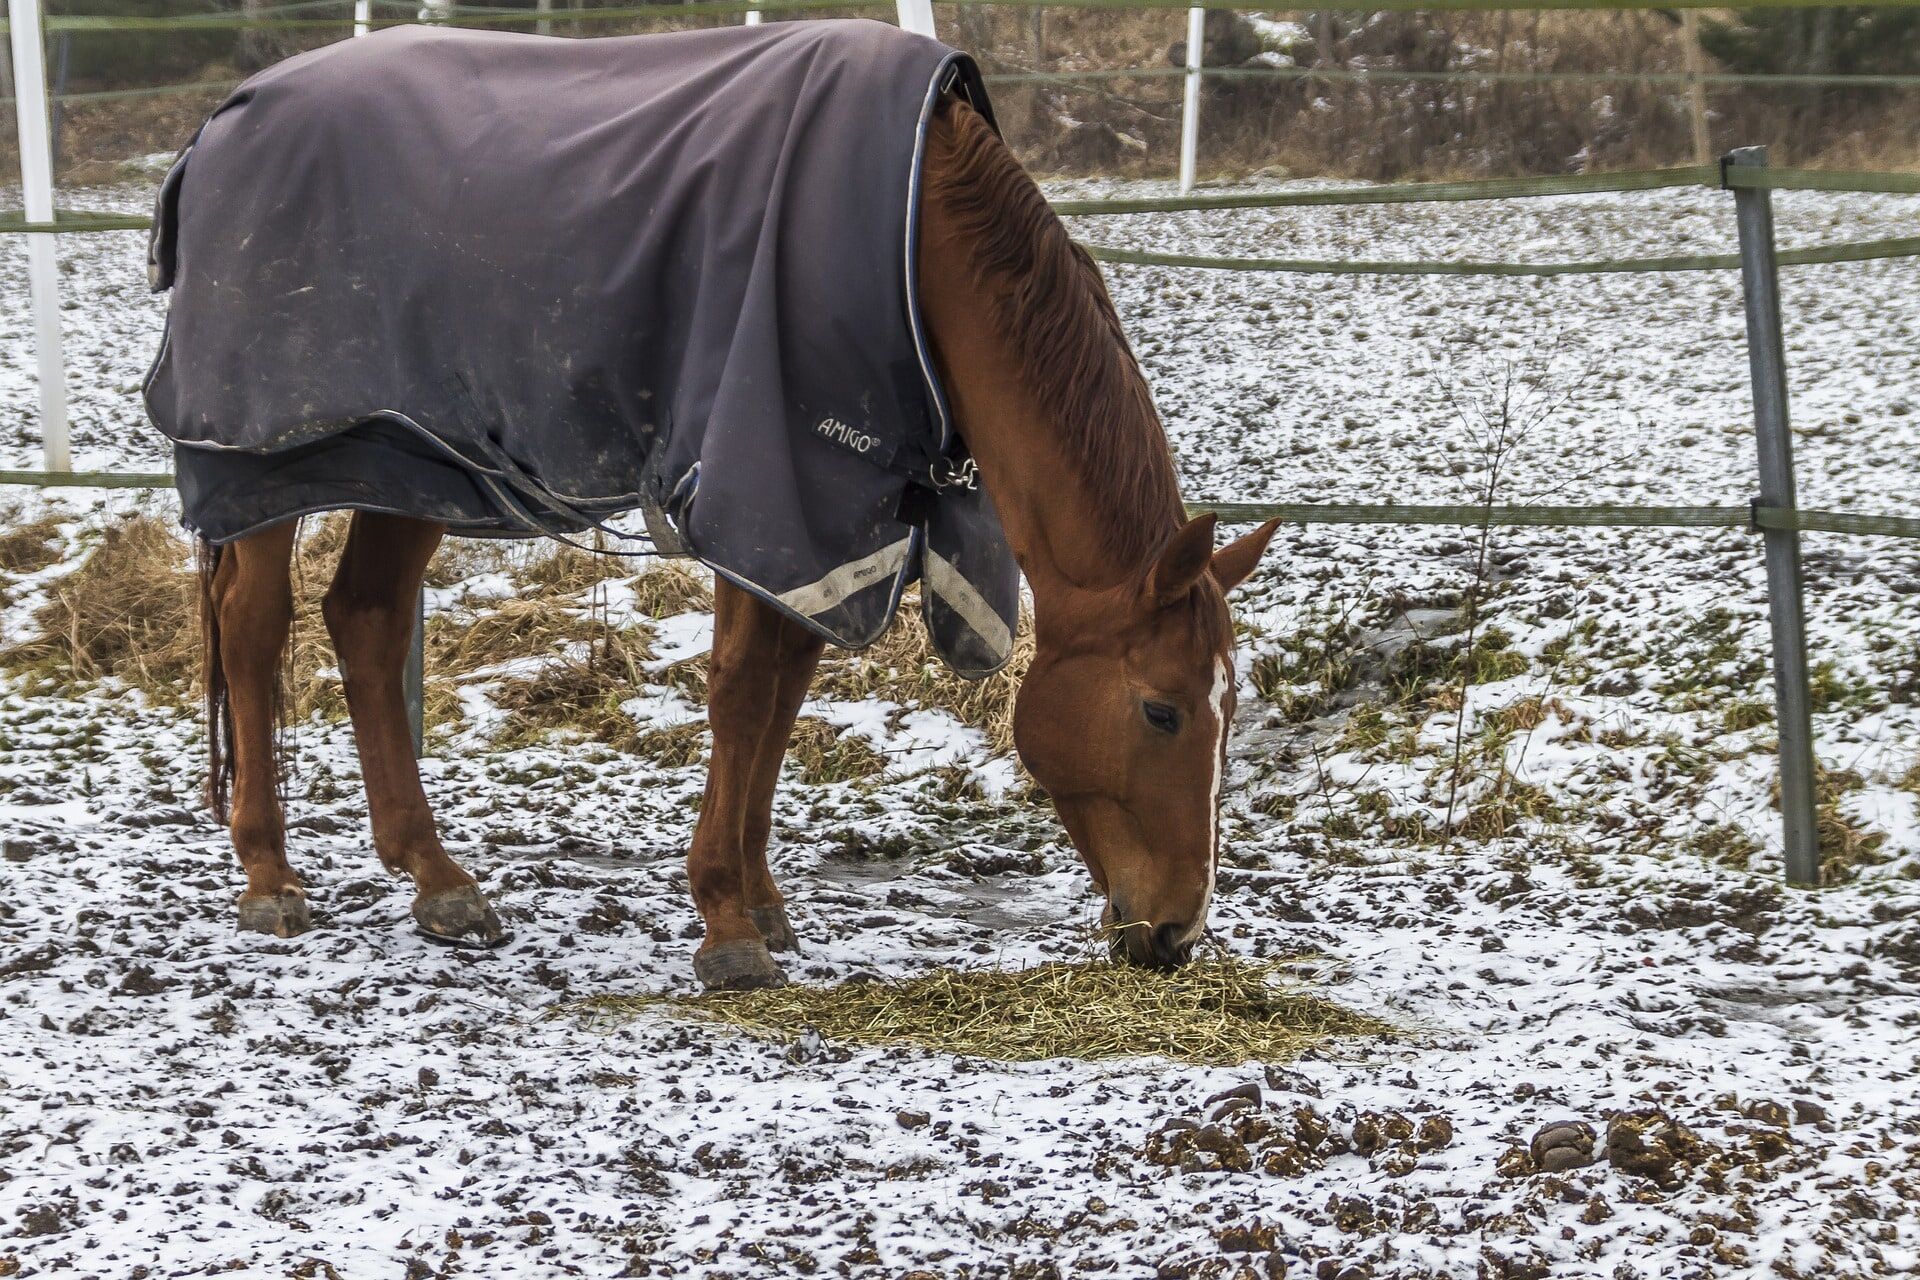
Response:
column 362, row 17
column 915, row 15
column 413, row 676
column 1766, row 357
column 1190, row 98
column 36, row 181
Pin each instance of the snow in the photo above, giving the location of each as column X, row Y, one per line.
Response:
column 180, row 1098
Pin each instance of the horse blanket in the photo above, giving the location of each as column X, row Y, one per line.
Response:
column 520, row 285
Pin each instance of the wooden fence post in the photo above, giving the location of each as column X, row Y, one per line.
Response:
column 1696, row 88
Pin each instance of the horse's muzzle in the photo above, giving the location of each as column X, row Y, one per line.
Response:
column 1163, row 946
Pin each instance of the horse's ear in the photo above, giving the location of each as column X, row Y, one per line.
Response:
column 1182, row 561
column 1234, row 563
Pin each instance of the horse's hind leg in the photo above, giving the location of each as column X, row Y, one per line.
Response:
column 249, row 606
column 796, row 654
column 370, row 614
column 745, row 709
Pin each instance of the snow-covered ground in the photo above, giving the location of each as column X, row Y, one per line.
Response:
column 1605, row 936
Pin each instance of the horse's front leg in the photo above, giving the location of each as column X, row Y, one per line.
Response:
column 750, row 709
column 796, row 656
column 370, row 614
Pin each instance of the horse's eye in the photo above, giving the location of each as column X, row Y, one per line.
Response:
column 1161, row 716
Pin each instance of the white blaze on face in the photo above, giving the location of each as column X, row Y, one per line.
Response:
column 1217, row 703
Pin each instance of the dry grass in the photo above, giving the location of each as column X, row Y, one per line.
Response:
column 826, row 755
column 677, row 747
column 566, row 570
column 670, row 587
column 1845, row 846
column 577, row 695
column 1373, row 130
column 903, row 668
column 31, row 547
column 128, row 611
column 458, row 645
column 462, row 558
column 1214, row 1012
column 131, row 611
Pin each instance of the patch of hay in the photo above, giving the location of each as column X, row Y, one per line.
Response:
column 31, row 547
column 902, row 667
column 689, row 676
column 463, row 643
column 458, row 559
column 581, row 697
column 680, row 746
column 1215, row 1012
column 130, row 610
column 670, row 587
column 567, row 571
column 826, row 755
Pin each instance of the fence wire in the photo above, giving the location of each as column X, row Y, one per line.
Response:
column 1754, row 518
column 1857, row 251
column 1671, row 79
column 1706, row 175
column 1392, row 75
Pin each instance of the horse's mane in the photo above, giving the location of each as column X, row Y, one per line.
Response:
column 1054, row 309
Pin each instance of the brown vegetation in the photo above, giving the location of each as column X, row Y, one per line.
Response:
column 902, row 668
column 129, row 611
column 1380, row 130
column 1373, row 130
column 1216, row 1011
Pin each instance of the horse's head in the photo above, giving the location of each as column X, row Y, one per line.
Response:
column 1123, row 719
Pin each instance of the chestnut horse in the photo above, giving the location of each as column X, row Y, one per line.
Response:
column 1122, row 718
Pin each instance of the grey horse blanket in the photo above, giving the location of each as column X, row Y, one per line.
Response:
column 519, row 285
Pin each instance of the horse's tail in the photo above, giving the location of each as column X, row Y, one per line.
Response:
column 213, row 678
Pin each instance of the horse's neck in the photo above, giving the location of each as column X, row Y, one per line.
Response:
column 1038, row 487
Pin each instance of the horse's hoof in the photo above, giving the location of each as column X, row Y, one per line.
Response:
column 459, row 917
column 737, row 966
column 774, row 927
column 282, row 914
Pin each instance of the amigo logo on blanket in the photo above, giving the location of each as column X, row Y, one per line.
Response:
column 840, row 433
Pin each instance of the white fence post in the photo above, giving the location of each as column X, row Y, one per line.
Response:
column 544, row 27
column 36, row 180
column 362, row 15
column 753, row 18
column 1190, row 101
column 916, row 15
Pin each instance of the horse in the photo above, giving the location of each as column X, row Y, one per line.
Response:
column 1122, row 717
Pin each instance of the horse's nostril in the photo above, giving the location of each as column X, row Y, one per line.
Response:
column 1169, row 945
